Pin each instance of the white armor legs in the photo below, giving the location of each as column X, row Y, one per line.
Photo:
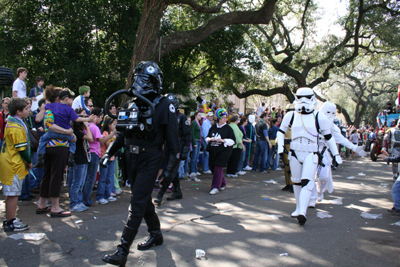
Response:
column 303, row 173
column 296, row 190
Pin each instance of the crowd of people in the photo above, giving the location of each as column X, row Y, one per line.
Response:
column 219, row 138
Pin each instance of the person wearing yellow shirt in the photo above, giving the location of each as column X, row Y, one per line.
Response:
column 15, row 161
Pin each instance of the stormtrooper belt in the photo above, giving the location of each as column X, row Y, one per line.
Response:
column 142, row 149
column 287, row 141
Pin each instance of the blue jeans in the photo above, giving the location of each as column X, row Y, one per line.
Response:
column 247, row 154
column 38, row 172
column 79, row 173
column 26, row 188
column 241, row 160
column 52, row 135
column 26, row 185
column 90, row 179
column 195, row 157
column 269, row 159
column 204, row 160
column 70, row 179
column 261, row 151
column 183, row 167
column 396, row 194
column 106, row 177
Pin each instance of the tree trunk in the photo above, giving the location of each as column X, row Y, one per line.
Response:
column 147, row 37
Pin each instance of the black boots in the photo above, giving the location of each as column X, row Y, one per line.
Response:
column 159, row 197
column 40, row 162
column 153, row 227
column 119, row 257
column 177, row 194
column 155, row 239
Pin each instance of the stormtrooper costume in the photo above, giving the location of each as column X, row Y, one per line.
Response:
column 303, row 155
column 324, row 172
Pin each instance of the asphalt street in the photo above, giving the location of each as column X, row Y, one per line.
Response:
column 248, row 224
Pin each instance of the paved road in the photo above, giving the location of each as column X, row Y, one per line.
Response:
column 233, row 227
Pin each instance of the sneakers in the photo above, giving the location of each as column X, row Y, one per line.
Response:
column 247, row 168
column 228, row 175
column 118, row 192
column 196, row 179
column 113, row 194
column 111, row 199
column 241, row 173
column 222, row 188
column 214, row 191
column 193, row 174
column 278, row 169
column 207, row 172
column 77, row 208
column 102, row 201
column 394, row 211
column 83, row 206
column 15, row 225
column 198, row 173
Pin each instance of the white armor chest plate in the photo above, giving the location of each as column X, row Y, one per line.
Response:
column 304, row 133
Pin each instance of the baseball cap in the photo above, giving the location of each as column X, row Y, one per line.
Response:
column 66, row 93
column 210, row 114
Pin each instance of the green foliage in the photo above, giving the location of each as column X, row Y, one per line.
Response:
column 71, row 42
column 210, row 64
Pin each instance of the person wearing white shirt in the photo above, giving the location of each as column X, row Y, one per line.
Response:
column 79, row 102
column 205, row 128
column 261, row 109
column 19, row 86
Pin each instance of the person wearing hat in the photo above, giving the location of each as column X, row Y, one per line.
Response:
column 79, row 102
column 59, row 115
column 220, row 140
column 63, row 115
column 205, row 128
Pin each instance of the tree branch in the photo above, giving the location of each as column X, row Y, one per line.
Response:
column 199, row 8
column 285, row 90
column 183, row 39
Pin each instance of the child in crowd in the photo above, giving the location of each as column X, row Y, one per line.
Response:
column 79, row 102
column 105, row 185
column 81, row 159
column 15, row 161
column 62, row 130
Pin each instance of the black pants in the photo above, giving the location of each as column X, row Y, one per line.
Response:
column 55, row 161
column 233, row 161
column 142, row 175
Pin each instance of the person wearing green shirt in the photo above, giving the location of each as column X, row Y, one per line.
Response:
column 196, row 144
column 237, row 148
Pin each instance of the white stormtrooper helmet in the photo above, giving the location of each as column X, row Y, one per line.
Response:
column 305, row 100
column 329, row 109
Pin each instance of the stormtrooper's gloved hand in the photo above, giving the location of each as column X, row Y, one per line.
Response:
column 184, row 153
column 337, row 160
column 105, row 160
column 171, row 169
column 360, row 151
